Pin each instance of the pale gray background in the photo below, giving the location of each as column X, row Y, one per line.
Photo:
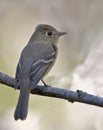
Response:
column 83, row 20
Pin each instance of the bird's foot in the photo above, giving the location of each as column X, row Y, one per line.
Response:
column 45, row 85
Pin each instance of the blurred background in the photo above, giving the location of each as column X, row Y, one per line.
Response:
column 83, row 21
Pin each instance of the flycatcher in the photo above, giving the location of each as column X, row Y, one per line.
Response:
column 36, row 59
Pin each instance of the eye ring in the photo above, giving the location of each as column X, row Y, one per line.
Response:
column 49, row 33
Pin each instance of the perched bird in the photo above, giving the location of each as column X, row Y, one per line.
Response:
column 36, row 59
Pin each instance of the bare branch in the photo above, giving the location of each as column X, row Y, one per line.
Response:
column 78, row 96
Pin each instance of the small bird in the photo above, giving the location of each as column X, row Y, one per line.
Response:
column 36, row 60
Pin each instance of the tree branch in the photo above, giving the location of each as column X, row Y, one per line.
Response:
column 71, row 96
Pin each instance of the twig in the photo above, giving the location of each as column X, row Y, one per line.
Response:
column 71, row 96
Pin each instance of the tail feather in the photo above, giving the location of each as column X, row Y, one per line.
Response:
column 22, row 105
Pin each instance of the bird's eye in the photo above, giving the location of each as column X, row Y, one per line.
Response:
column 49, row 33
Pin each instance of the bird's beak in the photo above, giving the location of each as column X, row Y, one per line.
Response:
column 61, row 33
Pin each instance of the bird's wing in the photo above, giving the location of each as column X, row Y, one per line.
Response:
column 35, row 64
column 23, row 64
column 42, row 66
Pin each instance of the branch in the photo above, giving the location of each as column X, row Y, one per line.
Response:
column 71, row 96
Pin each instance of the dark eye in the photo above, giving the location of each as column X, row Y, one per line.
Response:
column 49, row 33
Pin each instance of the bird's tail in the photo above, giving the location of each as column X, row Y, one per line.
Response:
column 22, row 105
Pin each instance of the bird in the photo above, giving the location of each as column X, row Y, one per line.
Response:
column 36, row 60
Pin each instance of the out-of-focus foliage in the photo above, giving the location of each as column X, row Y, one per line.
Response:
column 83, row 21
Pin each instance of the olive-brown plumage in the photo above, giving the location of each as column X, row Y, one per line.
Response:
column 36, row 59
